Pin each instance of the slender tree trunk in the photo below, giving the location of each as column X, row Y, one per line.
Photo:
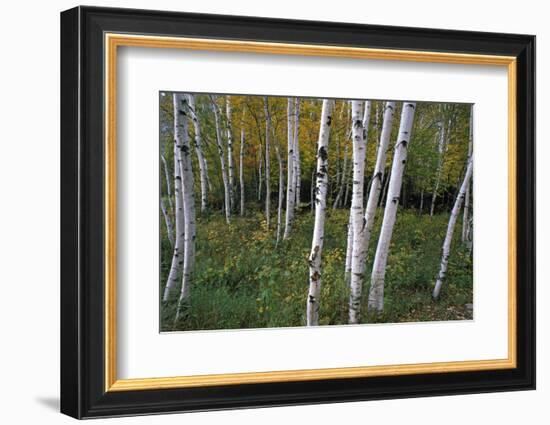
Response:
column 376, row 294
column 356, row 211
column 370, row 211
column 450, row 229
column 189, row 213
column 241, row 161
column 338, row 201
column 219, row 142
column 421, row 207
column 291, row 186
column 267, row 163
column 281, row 191
column 168, row 185
column 203, row 170
column 349, row 247
column 297, row 166
column 230, row 162
column 312, row 310
column 441, row 146
column 177, row 257
column 167, row 222
column 346, row 191
column 466, row 216
column 260, row 167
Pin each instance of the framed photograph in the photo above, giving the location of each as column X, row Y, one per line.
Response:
column 261, row 212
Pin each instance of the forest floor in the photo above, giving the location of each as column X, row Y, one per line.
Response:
column 242, row 280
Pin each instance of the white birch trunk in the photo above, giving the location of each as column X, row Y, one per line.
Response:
column 168, row 185
column 219, row 144
column 281, row 192
column 312, row 309
column 203, row 170
column 290, row 186
column 356, row 211
column 297, row 166
column 241, row 167
column 167, row 222
column 230, row 164
column 260, row 166
column 343, row 176
column 378, row 174
column 376, row 293
column 349, row 247
column 189, row 213
column 450, row 230
column 177, row 257
column 441, row 150
column 466, row 216
column 267, row 163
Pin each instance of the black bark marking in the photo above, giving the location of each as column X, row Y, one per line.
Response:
column 323, row 153
column 329, row 120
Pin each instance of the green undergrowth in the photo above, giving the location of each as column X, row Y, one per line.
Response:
column 243, row 280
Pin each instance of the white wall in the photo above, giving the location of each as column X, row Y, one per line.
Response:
column 29, row 213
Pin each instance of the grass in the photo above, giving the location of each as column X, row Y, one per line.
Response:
column 242, row 280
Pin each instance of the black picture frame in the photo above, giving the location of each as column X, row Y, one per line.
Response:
column 83, row 392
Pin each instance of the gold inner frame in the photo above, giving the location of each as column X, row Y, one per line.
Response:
column 113, row 41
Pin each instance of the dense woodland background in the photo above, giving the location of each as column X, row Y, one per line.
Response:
column 250, row 258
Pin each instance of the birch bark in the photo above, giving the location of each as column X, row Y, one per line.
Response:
column 441, row 147
column 167, row 222
column 219, row 144
column 230, row 164
column 290, row 187
column 378, row 174
column 188, row 184
column 168, row 185
column 241, row 161
column 267, row 163
column 177, row 256
column 450, row 230
column 342, row 180
column 356, row 211
column 297, row 166
column 281, row 190
column 466, row 216
column 203, row 170
column 312, row 304
column 376, row 293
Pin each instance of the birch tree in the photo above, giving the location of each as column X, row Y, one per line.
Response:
column 466, row 216
column 312, row 308
column 441, row 148
column 297, row 166
column 281, row 190
column 450, row 230
column 177, row 256
column 340, row 193
column 168, row 185
column 203, row 169
column 378, row 173
column 376, row 293
column 241, row 164
column 219, row 144
column 267, row 163
column 230, row 165
column 290, row 187
column 167, row 222
column 356, row 211
column 186, row 166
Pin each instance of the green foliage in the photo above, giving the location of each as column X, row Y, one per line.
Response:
column 242, row 280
